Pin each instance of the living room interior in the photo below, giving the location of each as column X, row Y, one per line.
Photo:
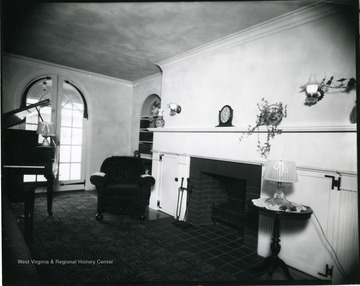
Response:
column 210, row 97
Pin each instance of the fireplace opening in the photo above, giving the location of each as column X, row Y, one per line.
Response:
column 221, row 191
column 228, row 207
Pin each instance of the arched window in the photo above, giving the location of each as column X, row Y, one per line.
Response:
column 68, row 112
column 38, row 90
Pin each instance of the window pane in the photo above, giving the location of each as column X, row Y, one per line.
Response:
column 79, row 106
column 31, row 100
column 41, row 90
column 75, row 171
column 65, row 153
column 34, row 178
column 33, row 118
column 76, row 154
column 77, row 119
column 66, row 104
column 46, row 117
column 41, row 178
column 31, row 127
column 29, row 178
column 66, row 117
column 76, row 136
column 64, row 172
column 46, row 113
column 65, row 137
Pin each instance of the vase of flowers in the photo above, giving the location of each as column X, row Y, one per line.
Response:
column 154, row 108
column 159, row 121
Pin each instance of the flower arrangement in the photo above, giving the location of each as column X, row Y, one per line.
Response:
column 270, row 116
column 154, row 113
column 154, row 108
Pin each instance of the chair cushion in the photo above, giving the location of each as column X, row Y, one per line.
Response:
column 122, row 190
column 122, row 169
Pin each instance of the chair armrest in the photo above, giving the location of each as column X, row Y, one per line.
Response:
column 98, row 178
column 147, row 180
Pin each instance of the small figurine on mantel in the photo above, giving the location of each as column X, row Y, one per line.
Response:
column 159, row 121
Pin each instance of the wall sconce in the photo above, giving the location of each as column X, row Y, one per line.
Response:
column 315, row 91
column 46, row 129
column 174, row 108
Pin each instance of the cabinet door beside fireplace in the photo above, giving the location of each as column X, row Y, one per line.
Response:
column 171, row 168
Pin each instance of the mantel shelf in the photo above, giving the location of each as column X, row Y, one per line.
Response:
column 262, row 129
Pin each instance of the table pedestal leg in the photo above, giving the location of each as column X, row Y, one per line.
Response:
column 273, row 261
column 50, row 193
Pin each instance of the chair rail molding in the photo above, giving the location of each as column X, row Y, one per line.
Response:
column 351, row 128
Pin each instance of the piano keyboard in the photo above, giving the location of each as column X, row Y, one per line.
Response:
column 23, row 167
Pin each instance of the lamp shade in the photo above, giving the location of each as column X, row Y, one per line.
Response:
column 312, row 86
column 281, row 171
column 46, row 129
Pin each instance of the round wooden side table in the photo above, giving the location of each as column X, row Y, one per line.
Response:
column 274, row 261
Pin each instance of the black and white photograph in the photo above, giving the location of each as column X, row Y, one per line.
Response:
column 179, row 143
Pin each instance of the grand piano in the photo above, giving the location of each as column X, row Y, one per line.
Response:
column 23, row 155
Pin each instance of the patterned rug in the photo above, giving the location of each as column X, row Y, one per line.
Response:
column 72, row 248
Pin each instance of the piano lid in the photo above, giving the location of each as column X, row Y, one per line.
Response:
column 18, row 116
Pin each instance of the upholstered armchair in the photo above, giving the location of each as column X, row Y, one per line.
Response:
column 122, row 187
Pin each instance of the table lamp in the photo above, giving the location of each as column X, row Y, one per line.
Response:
column 46, row 129
column 282, row 174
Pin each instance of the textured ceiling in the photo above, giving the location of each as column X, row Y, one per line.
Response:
column 125, row 40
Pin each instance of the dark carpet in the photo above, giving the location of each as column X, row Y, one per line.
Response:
column 72, row 248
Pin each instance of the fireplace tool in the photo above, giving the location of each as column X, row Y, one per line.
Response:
column 182, row 223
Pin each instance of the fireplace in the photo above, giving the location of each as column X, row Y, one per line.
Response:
column 221, row 191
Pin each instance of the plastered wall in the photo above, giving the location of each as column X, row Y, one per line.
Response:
column 272, row 66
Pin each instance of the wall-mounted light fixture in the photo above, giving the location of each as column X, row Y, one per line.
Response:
column 174, row 108
column 315, row 91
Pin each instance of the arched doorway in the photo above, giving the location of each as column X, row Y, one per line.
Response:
column 146, row 121
column 68, row 112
